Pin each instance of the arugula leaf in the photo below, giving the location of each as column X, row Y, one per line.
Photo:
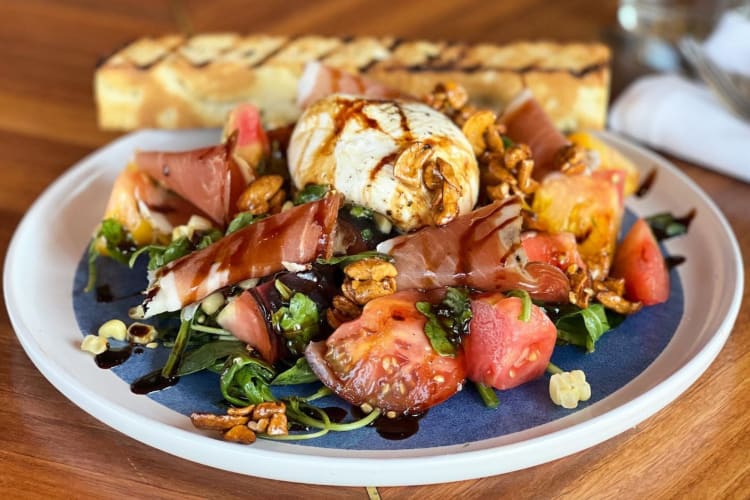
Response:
column 117, row 242
column 160, row 256
column 208, row 355
column 245, row 381
column 583, row 327
column 299, row 373
column 507, row 141
column 345, row 260
column 241, row 220
column 209, row 238
column 311, row 192
column 298, row 322
column 435, row 332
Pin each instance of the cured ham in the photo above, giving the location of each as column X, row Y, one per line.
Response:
column 207, row 177
column 297, row 236
column 481, row 250
column 319, row 81
column 526, row 122
column 402, row 159
column 384, row 359
column 145, row 209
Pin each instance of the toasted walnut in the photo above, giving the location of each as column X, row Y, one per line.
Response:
column 210, row 421
column 508, row 173
column 262, row 196
column 240, row 434
column 259, row 425
column 341, row 311
column 368, row 279
column 370, row 269
column 570, row 159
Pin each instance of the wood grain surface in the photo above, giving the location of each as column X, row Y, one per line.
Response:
column 697, row 447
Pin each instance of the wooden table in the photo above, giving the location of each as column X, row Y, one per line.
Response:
column 698, row 446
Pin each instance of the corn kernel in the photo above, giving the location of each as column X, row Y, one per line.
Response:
column 566, row 389
column 141, row 333
column 212, row 303
column 114, row 329
column 198, row 223
column 94, row 344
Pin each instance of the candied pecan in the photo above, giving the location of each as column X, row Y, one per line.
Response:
column 210, row 421
column 277, row 425
column 476, row 127
column 617, row 303
column 580, row 286
column 262, row 196
column 268, row 408
column 240, row 434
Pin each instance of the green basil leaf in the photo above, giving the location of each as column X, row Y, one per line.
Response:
column 583, row 327
column 159, row 258
column 435, row 332
column 299, row 373
column 666, row 225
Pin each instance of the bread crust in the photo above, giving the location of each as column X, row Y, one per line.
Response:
column 178, row 82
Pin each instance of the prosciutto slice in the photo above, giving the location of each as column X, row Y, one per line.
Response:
column 527, row 122
column 297, row 236
column 318, row 81
column 481, row 250
column 209, row 177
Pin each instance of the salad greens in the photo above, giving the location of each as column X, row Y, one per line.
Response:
column 298, row 322
column 583, row 327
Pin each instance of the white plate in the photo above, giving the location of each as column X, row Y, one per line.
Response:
column 48, row 244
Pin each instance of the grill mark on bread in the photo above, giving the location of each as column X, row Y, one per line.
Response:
column 286, row 43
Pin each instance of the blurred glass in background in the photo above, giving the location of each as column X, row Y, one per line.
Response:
column 657, row 25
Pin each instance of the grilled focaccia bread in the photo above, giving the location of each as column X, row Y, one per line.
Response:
column 179, row 82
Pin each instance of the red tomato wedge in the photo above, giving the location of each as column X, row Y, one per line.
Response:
column 384, row 359
column 246, row 320
column 251, row 144
column 559, row 250
column 503, row 351
column 639, row 260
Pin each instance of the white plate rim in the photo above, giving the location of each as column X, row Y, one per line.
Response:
column 170, row 431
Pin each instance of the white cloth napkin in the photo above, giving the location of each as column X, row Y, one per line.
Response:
column 683, row 118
